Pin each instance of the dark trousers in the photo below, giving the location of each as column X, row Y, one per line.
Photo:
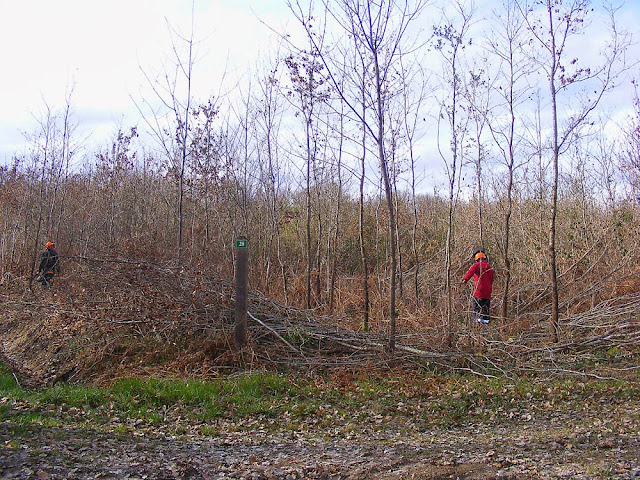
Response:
column 481, row 309
column 45, row 279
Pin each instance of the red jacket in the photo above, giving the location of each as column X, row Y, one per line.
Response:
column 482, row 278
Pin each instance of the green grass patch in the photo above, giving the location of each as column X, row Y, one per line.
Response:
column 77, row 396
column 156, row 393
column 255, row 394
column 8, row 382
column 336, row 402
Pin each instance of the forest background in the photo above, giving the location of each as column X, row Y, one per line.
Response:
column 323, row 158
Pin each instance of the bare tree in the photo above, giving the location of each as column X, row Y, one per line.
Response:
column 377, row 32
column 47, row 125
column 413, row 100
column 338, row 154
column 307, row 81
column 174, row 91
column 511, row 88
column 451, row 40
column 268, row 120
column 206, row 163
column 114, row 169
column 478, row 98
column 66, row 151
column 553, row 23
column 364, row 257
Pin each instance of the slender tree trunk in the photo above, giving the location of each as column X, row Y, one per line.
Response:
column 308, row 221
column 185, row 136
column 414, row 233
column 47, row 132
column 509, row 211
column 384, row 170
column 410, row 130
column 320, row 232
column 397, row 230
column 274, row 215
column 507, row 238
column 454, row 40
column 553, row 278
column 336, row 237
column 450, row 220
column 361, row 233
column 64, row 165
column 480, row 199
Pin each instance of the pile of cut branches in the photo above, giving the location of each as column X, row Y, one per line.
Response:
column 116, row 318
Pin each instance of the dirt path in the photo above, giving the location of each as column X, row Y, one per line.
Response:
column 562, row 446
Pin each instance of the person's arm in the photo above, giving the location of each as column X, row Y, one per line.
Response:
column 469, row 273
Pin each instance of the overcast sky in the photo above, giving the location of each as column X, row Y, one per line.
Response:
column 98, row 48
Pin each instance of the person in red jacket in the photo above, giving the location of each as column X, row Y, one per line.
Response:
column 482, row 285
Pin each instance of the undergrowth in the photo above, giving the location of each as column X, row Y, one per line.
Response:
column 299, row 402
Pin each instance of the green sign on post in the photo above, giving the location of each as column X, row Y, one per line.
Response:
column 242, row 243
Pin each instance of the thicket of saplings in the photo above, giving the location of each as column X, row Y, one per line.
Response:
column 129, row 210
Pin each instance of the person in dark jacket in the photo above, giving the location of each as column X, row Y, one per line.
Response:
column 482, row 285
column 49, row 265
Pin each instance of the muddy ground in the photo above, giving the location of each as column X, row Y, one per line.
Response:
column 603, row 443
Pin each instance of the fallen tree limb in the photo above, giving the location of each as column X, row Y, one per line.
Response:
column 275, row 333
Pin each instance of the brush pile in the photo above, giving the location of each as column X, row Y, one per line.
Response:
column 104, row 320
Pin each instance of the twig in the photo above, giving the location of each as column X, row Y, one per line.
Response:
column 276, row 334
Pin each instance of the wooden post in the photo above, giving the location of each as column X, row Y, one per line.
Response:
column 242, row 257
